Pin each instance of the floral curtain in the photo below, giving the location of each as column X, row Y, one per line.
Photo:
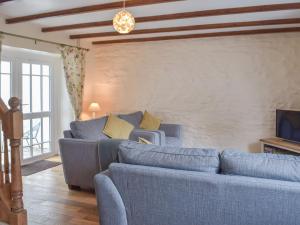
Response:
column 74, row 66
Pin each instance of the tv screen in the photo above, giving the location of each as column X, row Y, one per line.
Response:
column 288, row 125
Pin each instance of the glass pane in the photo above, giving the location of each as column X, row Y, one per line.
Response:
column 5, row 67
column 26, row 94
column 46, row 129
column 26, row 139
column 46, row 70
column 36, row 137
column 46, row 147
column 25, row 68
column 36, row 94
column 46, row 94
column 36, row 69
column 5, row 88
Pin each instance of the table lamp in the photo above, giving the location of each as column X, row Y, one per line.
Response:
column 94, row 107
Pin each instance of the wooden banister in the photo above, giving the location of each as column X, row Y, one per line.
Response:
column 11, row 191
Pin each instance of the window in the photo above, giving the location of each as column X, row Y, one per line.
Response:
column 29, row 76
column 5, row 80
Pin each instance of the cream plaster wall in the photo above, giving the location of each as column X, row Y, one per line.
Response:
column 223, row 90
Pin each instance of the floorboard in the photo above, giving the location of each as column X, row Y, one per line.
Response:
column 49, row 201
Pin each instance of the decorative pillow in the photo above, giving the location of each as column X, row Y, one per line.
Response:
column 133, row 118
column 263, row 165
column 89, row 129
column 149, row 122
column 117, row 128
column 144, row 141
column 193, row 159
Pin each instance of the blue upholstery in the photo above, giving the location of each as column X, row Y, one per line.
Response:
column 203, row 160
column 113, row 212
column 133, row 118
column 159, row 196
column 270, row 166
column 83, row 153
column 90, row 129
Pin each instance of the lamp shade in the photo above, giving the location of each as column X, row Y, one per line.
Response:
column 124, row 22
column 94, row 107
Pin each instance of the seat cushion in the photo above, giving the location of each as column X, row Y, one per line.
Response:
column 90, row 129
column 193, row 159
column 269, row 166
column 133, row 118
column 117, row 128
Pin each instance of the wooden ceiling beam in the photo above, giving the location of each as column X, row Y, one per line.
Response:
column 2, row 1
column 185, row 15
column 190, row 28
column 204, row 35
column 86, row 9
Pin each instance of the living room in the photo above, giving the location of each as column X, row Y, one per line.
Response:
column 111, row 109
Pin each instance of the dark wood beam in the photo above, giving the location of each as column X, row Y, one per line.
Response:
column 86, row 9
column 204, row 35
column 2, row 1
column 193, row 27
column 185, row 15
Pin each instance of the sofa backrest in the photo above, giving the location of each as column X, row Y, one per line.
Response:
column 159, row 196
column 92, row 129
column 89, row 129
column 263, row 165
column 193, row 159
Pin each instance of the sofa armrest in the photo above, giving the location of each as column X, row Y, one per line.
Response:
column 153, row 137
column 68, row 134
column 80, row 160
column 171, row 130
column 110, row 204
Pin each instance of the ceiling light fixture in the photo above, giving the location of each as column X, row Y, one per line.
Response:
column 124, row 21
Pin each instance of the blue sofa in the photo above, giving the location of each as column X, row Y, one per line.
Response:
column 171, row 186
column 86, row 150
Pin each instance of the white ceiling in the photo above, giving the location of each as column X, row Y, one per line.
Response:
column 27, row 7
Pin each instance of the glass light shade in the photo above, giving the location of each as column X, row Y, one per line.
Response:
column 124, row 22
column 94, row 107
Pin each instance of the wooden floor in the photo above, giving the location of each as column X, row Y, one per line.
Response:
column 49, row 201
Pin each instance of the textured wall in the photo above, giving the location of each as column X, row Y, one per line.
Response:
column 223, row 90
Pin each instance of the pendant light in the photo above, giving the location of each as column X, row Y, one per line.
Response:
column 124, row 21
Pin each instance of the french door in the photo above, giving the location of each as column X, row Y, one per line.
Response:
column 36, row 108
column 31, row 81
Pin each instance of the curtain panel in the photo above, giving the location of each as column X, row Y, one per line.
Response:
column 74, row 67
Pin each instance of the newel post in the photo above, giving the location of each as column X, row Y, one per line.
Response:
column 14, row 132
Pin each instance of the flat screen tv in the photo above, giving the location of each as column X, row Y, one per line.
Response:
column 288, row 125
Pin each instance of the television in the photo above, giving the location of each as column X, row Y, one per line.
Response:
column 288, row 125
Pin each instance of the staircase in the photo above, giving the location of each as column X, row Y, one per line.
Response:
column 11, row 190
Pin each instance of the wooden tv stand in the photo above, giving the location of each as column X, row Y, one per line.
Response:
column 279, row 146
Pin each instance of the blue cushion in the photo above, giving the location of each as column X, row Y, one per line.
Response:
column 269, row 166
column 133, row 118
column 90, row 129
column 193, row 159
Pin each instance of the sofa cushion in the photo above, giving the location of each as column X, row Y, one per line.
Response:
column 90, row 129
column 133, row 118
column 117, row 128
column 150, row 122
column 269, row 166
column 193, row 159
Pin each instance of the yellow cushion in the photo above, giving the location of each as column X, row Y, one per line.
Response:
column 150, row 122
column 117, row 128
column 144, row 141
